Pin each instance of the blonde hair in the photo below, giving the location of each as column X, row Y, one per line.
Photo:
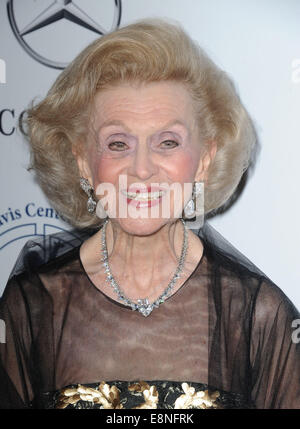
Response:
column 146, row 51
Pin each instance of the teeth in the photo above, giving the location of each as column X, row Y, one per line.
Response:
column 143, row 196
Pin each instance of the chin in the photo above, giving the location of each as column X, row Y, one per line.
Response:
column 141, row 227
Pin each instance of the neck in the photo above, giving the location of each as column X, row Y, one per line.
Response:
column 144, row 261
column 135, row 249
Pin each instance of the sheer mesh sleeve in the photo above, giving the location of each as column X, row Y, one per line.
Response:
column 15, row 373
column 275, row 353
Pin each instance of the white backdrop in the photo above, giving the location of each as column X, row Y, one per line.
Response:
column 256, row 41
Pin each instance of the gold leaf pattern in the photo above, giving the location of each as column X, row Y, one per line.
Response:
column 108, row 397
column 192, row 399
column 151, row 399
column 140, row 386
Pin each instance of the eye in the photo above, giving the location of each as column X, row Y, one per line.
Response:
column 169, row 143
column 117, row 146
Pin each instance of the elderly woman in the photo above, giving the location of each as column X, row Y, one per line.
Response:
column 144, row 312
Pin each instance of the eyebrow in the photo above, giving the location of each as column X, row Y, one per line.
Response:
column 121, row 123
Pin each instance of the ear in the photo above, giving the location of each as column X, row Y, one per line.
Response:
column 83, row 165
column 205, row 161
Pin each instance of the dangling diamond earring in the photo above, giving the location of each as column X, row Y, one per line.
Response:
column 195, row 204
column 88, row 189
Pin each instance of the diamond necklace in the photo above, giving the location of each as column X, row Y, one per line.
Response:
column 142, row 305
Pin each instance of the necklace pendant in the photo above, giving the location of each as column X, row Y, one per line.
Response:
column 144, row 307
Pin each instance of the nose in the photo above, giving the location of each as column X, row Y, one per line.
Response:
column 143, row 166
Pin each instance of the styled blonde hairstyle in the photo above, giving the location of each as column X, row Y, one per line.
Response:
column 146, row 51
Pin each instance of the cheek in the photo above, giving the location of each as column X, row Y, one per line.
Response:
column 183, row 168
column 106, row 170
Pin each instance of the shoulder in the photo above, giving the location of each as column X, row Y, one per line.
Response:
column 39, row 251
column 273, row 304
column 42, row 258
column 234, row 276
column 231, row 273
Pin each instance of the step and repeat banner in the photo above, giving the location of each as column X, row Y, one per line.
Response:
column 256, row 42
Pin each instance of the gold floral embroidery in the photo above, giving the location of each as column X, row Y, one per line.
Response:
column 140, row 386
column 108, row 397
column 193, row 399
column 149, row 392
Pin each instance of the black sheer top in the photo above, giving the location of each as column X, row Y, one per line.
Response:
column 225, row 339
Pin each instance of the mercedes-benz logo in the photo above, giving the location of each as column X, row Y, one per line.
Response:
column 54, row 12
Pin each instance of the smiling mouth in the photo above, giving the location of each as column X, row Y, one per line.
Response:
column 143, row 196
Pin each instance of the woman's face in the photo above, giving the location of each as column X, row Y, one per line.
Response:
column 145, row 139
